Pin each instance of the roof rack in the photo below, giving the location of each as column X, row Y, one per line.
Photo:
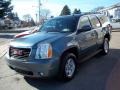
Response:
column 86, row 13
column 91, row 13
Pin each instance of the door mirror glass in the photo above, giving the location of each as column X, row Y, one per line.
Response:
column 86, row 28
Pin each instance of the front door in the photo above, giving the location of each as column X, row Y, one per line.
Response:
column 86, row 39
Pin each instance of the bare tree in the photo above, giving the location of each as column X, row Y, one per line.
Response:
column 45, row 12
column 27, row 17
column 29, row 20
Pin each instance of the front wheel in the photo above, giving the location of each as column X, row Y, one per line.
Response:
column 68, row 67
column 105, row 47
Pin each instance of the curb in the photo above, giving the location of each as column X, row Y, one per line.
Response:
column 115, row 30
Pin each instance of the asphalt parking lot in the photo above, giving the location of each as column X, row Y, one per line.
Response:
column 98, row 73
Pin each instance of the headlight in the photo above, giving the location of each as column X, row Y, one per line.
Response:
column 44, row 51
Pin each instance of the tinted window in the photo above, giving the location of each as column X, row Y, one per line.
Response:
column 94, row 21
column 67, row 24
column 84, row 21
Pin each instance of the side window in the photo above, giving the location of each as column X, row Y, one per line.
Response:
column 84, row 21
column 103, row 19
column 94, row 21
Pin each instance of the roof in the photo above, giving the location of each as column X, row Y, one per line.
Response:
column 78, row 15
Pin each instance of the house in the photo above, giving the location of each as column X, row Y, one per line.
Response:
column 112, row 11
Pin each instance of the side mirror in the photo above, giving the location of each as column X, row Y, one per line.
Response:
column 84, row 29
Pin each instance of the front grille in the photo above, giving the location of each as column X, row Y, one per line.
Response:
column 19, row 53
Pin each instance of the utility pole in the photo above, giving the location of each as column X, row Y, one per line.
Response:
column 39, row 9
column 36, row 17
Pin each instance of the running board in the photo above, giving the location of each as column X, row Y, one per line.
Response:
column 91, row 55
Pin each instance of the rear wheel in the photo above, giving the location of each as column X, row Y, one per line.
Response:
column 67, row 67
column 105, row 47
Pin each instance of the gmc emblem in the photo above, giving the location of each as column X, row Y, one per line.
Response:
column 17, row 52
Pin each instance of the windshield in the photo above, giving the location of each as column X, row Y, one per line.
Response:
column 60, row 25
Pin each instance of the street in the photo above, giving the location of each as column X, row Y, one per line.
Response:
column 97, row 73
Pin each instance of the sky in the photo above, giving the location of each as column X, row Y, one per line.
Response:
column 23, row 7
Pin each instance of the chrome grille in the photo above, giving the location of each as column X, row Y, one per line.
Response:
column 19, row 53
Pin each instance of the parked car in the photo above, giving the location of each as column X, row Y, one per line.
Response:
column 27, row 32
column 60, row 45
column 115, row 24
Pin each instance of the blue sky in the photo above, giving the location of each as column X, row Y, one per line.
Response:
column 23, row 7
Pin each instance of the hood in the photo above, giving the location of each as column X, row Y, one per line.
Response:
column 30, row 40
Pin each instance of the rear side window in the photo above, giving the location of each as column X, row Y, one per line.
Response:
column 94, row 21
column 84, row 21
column 103, row 19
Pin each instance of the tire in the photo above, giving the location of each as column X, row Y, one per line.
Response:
column 68, row 67
column 105, row 47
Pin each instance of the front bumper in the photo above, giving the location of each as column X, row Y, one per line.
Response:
column 34, row 68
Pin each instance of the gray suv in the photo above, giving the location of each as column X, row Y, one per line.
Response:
column 59, row 46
